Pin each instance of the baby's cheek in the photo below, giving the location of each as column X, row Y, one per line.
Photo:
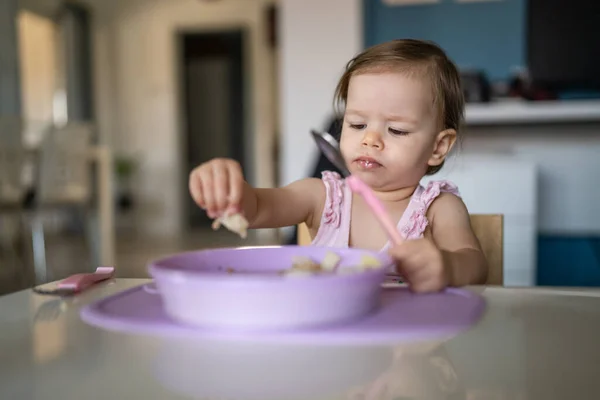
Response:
column 345, row 144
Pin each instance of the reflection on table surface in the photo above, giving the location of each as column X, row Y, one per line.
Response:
column 252, row 371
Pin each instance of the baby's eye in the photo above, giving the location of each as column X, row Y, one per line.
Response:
column 397, row 132
column 358, row 126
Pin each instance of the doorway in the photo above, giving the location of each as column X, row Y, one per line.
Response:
column 213, row 105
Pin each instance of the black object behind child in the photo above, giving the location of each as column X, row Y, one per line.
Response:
column 323, row 164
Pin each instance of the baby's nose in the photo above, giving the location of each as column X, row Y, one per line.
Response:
column 372, row 138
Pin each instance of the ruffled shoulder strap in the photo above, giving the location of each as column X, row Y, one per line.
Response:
column 414, row 221
column 434, row 188
column 334, row 187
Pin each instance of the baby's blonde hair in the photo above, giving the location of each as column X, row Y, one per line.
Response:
column 417, row 58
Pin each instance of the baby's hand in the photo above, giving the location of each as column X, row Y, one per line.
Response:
column 422, row 265
column 217, row 186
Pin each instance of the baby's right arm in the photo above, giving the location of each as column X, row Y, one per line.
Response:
column 218, row 186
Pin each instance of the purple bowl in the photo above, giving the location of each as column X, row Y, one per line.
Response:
column 198, row 290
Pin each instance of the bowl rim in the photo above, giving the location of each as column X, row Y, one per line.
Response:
column 179, row 275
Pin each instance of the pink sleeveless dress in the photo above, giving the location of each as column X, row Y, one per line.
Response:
column 334, row 230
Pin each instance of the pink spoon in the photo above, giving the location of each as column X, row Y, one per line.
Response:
column 330, row 148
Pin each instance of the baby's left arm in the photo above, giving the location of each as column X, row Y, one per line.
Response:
column 452, row 233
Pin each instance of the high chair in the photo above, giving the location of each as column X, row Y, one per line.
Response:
column 489, row 229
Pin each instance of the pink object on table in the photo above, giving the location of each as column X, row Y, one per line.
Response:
column 360, row 188
column 79, row 282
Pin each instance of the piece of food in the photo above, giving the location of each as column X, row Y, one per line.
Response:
column 368, row 261
column 303, row 266
column 301, row 263
column 331, row 261
column 235, row 223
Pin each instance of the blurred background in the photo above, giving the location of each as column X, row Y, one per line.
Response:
column 106, row 106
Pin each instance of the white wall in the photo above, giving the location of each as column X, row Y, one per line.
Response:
column 318, row 38
column 137, row 92
column 568, row 167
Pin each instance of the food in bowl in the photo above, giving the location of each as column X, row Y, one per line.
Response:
column 303, row 266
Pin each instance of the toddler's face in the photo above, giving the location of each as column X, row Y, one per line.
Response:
column 391, row 130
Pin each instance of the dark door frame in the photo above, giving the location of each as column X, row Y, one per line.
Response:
column 245, row 125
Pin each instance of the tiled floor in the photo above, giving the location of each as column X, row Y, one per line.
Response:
column 68, row 255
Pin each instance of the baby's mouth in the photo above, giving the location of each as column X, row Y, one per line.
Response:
column 367, row 163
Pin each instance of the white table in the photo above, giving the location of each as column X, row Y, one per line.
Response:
column 531, row 344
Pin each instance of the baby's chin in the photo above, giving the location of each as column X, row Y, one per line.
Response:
column 372, row 179
column 381, row 180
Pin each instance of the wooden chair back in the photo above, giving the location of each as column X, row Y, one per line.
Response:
column 489, row 229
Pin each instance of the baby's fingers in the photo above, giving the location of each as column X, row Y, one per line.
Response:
column 236, row 186
column 209, row 193
column 220, row 172
column 410, row 270
column 404, row 254
column 195, row 187
column 424, row 282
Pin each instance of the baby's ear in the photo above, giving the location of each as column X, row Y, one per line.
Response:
column 442, row 145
